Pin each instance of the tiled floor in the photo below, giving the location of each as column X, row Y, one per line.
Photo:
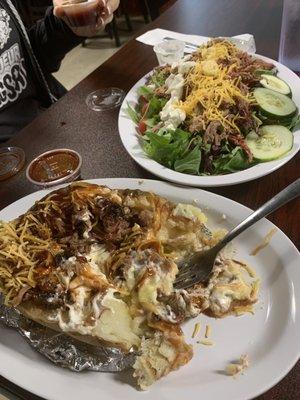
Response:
column 81, row 61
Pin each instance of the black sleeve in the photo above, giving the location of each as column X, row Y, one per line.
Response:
column 51, row 39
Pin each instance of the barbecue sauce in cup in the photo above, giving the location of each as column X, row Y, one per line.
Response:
column 54, row 167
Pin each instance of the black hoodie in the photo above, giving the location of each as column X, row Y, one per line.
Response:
column 27, row 59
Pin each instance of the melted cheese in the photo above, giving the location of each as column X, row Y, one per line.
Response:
column 115, row 324
column 190, row 212
column 72, row 320
column 232, row 286
column 160, row 282
column 112, row 320
column 97, row 257
column 66, row 272
column 238, row 367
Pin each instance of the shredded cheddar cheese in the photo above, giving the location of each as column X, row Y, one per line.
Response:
column 218, row 50
column 207, row 331
column 19, row 248
column 211, row 85
column 265, row 242
column 206, row 342
column 196, row 329
column 238, row 367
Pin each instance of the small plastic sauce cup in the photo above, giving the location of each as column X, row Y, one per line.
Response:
column 12, row 160
column 54, row 167
column 169, row 51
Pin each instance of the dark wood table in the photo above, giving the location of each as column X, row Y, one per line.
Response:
column 70, row 124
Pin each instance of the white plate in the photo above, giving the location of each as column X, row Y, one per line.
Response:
column 270, row 337
column 132, row 144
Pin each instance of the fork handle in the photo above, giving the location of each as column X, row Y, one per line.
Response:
column 191, row 46
column 289, row 193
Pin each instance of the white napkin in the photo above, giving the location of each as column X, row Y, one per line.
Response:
column 156, row 36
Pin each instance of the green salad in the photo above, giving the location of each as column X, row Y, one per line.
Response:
column 216, row 111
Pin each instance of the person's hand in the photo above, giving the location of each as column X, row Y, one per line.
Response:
column 106, row 14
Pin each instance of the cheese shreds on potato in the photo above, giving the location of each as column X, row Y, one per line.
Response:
column 238, row 367
column 206, row 342
column 99, row 264
column 196, row 330
column 264, row 243
column 207, row 331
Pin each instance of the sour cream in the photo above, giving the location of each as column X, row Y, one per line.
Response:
column 171, row 115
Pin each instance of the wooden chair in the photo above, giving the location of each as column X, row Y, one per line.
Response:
column 112, row 29
column 150, row 8
column 153, row 8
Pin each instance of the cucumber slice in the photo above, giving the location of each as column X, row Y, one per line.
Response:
column 274, row 104
column 276, row 84
column 272, row 142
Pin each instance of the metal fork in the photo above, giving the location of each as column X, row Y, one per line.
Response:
column 198, row 266
column 188, row 45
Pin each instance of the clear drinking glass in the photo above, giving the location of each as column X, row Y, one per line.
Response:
column 289, row 51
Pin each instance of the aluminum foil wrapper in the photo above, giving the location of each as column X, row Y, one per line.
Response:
column 64, row 350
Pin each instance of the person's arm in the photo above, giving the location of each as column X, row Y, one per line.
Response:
column 51, row 39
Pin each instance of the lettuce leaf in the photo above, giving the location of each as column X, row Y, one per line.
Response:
column 155, row 106
column 167, row 147
column 133, row 114
column 234, row 161
column 190, row 163
column 158, row 78
column 145, row 91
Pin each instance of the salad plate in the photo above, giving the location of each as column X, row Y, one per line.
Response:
column 269, row 337
column 231, row 161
